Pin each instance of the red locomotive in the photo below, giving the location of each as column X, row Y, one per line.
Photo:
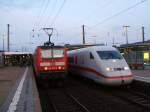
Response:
column 50, row 62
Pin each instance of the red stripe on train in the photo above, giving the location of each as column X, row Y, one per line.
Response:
column 97, row 73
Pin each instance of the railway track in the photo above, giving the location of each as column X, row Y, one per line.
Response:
column 134, row 97
column 129, row 95
column 80, row 96
column 99, row 98
column 64, row 102
column 141, row 87
column 58, row 100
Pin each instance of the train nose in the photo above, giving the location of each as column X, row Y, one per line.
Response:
column 126, row 77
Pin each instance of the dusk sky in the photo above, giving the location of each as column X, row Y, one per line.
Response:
column 103, row 20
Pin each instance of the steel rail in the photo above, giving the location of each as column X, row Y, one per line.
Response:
column 81, row 105
column 133, row 97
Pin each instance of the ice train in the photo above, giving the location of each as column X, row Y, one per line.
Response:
column 103, row 64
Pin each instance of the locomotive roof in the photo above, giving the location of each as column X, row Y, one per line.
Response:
column 17, row 53
column 99, row 48
column 95, row 48
column 80, row 46
column 46, row 47
column 103, row 48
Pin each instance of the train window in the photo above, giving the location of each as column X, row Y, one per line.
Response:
column 109, row 55
column 91, row 56
column 58, row 53
column 70, row 59
column 46, row 53
column 81, row 58
column 76, row 59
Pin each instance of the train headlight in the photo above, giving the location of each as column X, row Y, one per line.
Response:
column 109, row 69
column 45, row 68
column 59, row 67
column 126, row 68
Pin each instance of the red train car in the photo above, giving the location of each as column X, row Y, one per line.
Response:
column 50, row 62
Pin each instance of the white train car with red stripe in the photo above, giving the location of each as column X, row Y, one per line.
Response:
column 103, row 64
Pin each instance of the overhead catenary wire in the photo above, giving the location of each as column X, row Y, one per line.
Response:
column 93, row 12
column 39, row 13
column 106, row 4
column 43, row 12
column 44, row 6
column 118, row 13
column 50, row 13
column 57, row 14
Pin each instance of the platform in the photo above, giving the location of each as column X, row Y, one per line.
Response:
column 142, row 75
column 18, row 91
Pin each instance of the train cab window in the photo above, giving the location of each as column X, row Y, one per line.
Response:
column 46, row 53
column 55, row 53
column 58, row 53
column 70, row 59
column 91, row 56
column 104, row 55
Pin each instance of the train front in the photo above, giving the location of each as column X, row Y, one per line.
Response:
column 115, row 69
column 52, row 62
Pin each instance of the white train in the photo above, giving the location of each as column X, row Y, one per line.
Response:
column 103, row 64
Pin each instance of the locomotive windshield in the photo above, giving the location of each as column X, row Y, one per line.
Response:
column 109, row 55
column 52, row 53
column 58, row 53
column 46, row 53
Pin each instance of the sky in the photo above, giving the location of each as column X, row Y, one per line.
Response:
column 103, row 20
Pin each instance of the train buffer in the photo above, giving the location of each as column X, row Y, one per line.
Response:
column 18, row 91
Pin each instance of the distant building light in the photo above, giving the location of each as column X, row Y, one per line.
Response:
column 146, row 56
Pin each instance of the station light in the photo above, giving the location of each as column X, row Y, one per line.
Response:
column 146, row 56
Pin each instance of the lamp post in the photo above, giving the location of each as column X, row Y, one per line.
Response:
column 3, row 44
column 3, row 41
column 126, row 33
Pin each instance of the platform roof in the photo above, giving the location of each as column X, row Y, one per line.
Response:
column 136, row 44
column 17, row 53
column 79, row 46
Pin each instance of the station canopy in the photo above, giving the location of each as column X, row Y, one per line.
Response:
column 17, row 53
column 79, row 46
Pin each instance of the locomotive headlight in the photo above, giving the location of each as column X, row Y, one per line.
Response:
column 45, row 68
column 109, row 69
column 59, row 67
column 126, row 68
